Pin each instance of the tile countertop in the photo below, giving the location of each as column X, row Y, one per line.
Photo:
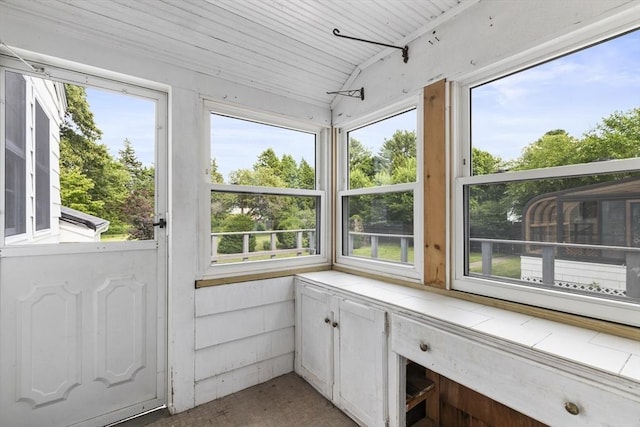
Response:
column 616, row 355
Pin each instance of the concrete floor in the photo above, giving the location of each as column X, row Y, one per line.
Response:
column 282, row 402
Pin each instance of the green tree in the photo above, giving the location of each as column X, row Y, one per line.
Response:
column 306, row 175
column 554, row 148
column 289, row 171
column 216, row 176
column 361, row 165
column 617, row 137
column 268, row 159
column 84, row 160
column 139, row 204
column 233, row 244
column 396, row 150
column 221, row 203
column 483, row 162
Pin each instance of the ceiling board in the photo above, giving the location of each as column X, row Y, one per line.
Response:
column 280, row 46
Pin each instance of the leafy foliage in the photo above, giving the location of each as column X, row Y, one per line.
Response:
column 92, row 181
column 491, row 206
column 233, row 244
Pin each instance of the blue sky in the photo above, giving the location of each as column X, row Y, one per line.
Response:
column 236, row 144
column 572, row 93
column 120, row 116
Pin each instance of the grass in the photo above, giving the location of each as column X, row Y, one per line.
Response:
column 501, row 265
column 113, row 237
column 386, row 252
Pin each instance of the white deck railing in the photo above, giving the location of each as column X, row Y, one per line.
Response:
column 549, row 259
column 272, row 252
column 374, row 241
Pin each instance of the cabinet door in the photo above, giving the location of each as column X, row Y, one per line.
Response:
column 314, row 338
column 360, row 365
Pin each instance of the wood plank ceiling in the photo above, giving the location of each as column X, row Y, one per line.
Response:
column 281, row 46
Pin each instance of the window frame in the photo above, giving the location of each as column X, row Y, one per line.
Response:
column 625, row 312
column 410, row 273
column 62, row 71
column 322, row 170
column 20, row 230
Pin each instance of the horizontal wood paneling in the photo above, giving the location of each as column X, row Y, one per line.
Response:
column 226, row 357
column 235, row 325
column 239, row 379
column 244, row 335
column 237, row 296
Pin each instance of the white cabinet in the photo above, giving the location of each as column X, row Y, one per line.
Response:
column 341, row 349
column 314, row 338
column 554, row 395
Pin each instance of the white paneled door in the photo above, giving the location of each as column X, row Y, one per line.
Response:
column 82, row 323
column 82, row 337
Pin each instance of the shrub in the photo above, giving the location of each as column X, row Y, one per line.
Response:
column 233, row 244
column 288, row 240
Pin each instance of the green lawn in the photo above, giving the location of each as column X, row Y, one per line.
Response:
column 386, row 252
column 113, row 237
column 502, row 265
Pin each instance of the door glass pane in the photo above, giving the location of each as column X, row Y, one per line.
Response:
column 87, row 172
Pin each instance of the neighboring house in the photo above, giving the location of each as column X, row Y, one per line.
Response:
column 76, row 226
column 33, row 211
column 605, row 214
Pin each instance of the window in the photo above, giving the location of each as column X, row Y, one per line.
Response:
column 78, row 160
column 547, row 200
column 27, row 131
column 378, row 199
column 43, row 170
column 15, row 154
column 268, row 180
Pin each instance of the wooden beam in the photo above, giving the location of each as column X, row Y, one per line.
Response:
column 435, row 184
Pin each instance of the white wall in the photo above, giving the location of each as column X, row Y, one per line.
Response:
column 244, row 335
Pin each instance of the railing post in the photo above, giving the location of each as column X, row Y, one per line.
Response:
column 273, row 245
column 350, row 247
column 214, row 248
column 312, row 242
column 404, row 250
column 548, row 265
column 299, row 243
column 245, row 247
column 374, row 246
column 633, row 274
column 487, row 256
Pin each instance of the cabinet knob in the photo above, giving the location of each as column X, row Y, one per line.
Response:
column 424, row 347
column 326, row 320
column 572, row 408
column 334, row 324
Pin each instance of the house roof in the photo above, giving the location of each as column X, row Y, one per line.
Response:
column 285, row 47
column 73, row 216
